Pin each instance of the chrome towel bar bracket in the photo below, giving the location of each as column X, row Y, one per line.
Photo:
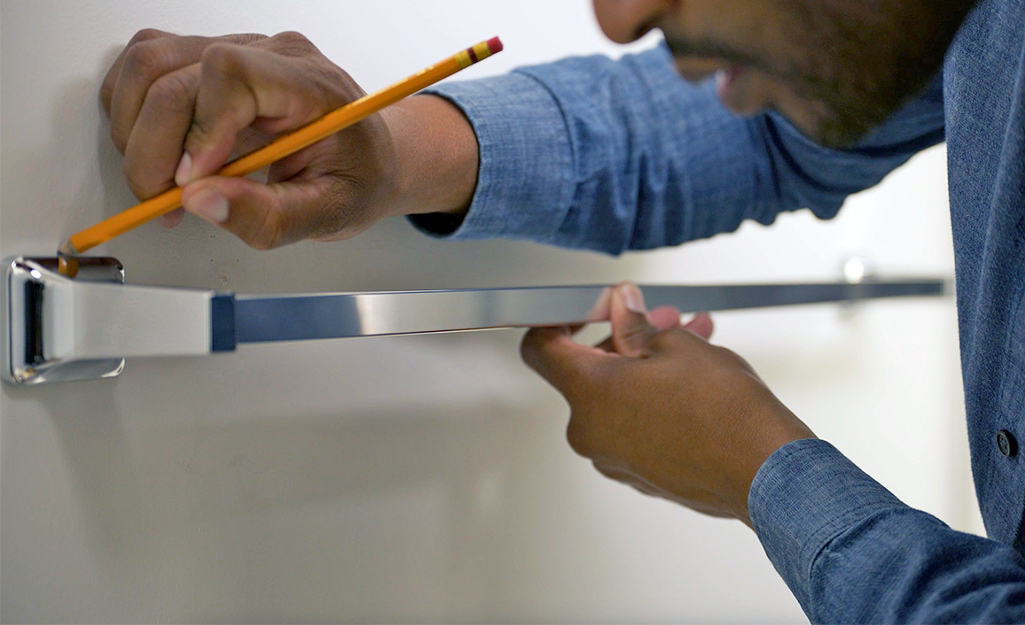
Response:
column 58, row 329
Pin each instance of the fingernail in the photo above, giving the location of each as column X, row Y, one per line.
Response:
column 184, row 171
column 632, row 298
column 209, row 205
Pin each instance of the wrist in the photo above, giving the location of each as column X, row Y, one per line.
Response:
column 781, row 433
column 436, row 157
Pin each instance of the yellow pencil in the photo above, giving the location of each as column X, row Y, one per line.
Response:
column 281, row 147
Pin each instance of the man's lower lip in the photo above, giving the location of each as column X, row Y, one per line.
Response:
column 724, row 80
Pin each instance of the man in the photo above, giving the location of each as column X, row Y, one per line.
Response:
column 615, row 155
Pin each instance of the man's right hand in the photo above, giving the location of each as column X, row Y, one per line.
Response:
column 180, row 107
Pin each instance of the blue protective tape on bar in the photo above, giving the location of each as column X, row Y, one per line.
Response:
column 223, row 331
column 296, row 318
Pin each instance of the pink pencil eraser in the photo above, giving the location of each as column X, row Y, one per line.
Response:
column 494, row 45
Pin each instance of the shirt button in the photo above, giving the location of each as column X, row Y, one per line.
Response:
column 1006, row 443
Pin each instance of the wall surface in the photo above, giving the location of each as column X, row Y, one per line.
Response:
column 419, row 478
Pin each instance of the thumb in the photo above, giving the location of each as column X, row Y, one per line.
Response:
column 632, row 330
column 264, row 216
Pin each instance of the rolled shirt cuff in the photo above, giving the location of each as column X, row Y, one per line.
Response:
column 805, row 495
column 523, row 184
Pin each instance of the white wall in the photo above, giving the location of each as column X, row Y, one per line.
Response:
column 418, row 478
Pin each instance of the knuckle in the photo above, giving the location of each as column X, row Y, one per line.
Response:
column 146, row 34
column 291, row 37
column 244, row 39
column 148, row 58
column 291, row 43
column 172, row 92
column 220, row 58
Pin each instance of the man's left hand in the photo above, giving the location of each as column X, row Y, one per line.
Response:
column 658, row 407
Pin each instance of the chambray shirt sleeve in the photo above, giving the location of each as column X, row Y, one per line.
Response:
column 614, row 155
column 851, row 552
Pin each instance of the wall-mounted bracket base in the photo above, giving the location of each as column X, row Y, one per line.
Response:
column 28, row 284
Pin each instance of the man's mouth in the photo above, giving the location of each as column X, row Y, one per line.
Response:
column 696, row 69
column 734, row 83
column 726, row 86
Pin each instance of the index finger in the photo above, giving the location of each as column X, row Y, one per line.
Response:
column 564, row 363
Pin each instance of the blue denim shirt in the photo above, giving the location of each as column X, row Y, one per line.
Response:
column 604, row 155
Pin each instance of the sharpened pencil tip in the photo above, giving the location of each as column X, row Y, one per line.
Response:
column 67, row 259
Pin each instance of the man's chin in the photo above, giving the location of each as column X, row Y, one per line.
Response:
column 840, row 135
column 831, row 129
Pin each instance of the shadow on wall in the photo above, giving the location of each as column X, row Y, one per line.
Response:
column 426, row 501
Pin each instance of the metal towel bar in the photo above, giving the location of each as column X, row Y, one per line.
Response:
column 58, row 329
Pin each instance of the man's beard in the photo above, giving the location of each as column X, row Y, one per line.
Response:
column 852, row 64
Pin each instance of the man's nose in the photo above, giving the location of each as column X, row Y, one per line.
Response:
column 624, row 21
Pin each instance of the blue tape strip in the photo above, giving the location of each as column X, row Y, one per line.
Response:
column 296, row 318
column 223, row 331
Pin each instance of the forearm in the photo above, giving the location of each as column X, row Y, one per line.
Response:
column 615, row 155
